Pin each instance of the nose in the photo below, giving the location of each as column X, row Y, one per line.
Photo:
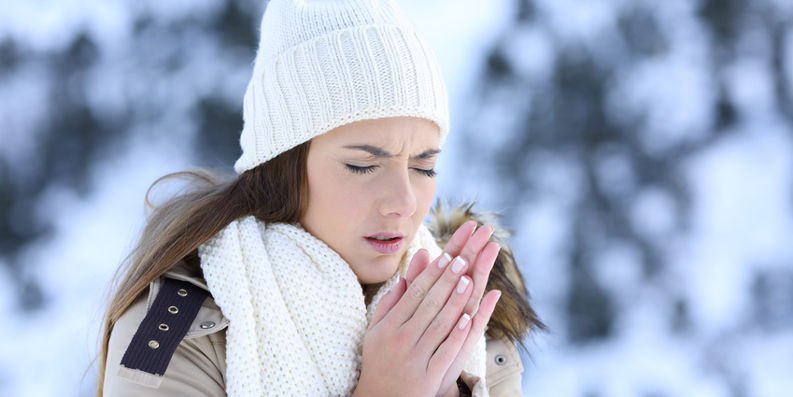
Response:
column 399, row 196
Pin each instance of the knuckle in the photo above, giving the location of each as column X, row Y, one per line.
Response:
column 451, row 248
column 417, row 291
column 439, row 326
column 433, row 303
column 402, row 338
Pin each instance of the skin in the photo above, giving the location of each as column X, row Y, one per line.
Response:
column 418, row 327
column 395, row 195
column 416, row 344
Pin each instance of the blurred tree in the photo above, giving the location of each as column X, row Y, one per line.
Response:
column 75, row 135
column 574, row 115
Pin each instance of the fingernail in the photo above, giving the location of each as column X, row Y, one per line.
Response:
column 463, row 321
column 458, row 264
column 445, row 259
column 462, row 284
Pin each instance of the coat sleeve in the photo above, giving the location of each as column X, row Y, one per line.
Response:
column 192, row 371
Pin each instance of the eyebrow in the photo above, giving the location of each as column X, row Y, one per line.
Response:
column 380, row 152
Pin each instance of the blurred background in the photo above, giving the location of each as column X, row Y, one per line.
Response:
column 641, row 152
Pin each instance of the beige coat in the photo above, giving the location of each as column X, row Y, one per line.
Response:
column 198, row 367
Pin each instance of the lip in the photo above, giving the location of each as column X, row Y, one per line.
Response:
column 386, row 247
column 387, row 235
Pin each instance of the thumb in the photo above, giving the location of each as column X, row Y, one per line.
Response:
column 389, row 301
column 417, row 265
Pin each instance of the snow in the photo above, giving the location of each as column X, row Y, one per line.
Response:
column 741, row 195
column 737, row 219
column 75, row 268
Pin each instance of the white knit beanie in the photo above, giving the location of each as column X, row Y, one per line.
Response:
column 325, row 63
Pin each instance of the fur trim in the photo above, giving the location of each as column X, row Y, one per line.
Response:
column 513, row 317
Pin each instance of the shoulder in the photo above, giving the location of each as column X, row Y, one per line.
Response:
column 171, row 340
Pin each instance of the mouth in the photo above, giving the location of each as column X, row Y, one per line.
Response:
column 386, row 243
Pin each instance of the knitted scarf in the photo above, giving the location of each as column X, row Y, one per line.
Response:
column 296, row 310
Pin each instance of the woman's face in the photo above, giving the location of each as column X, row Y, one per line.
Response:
column 367, row 180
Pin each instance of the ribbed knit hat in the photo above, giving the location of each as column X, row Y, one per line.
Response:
column 325, row 63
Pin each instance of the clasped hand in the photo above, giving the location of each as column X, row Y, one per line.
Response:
column 425, row 328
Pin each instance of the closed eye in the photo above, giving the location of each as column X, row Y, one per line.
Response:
column 368, row 170
column 361, row 170
column 430, row 172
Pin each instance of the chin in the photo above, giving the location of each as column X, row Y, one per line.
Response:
column 375, row 276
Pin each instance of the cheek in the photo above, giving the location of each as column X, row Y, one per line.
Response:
column 425, row 192
column 333, row 198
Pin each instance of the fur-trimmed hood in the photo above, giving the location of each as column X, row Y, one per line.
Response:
column 513, row 317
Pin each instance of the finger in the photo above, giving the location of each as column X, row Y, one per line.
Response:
column 418, row 289
column 475, row 244
column 453, row 247
column 480, row 320
column 448, row 351
column 414, row 270
column 388, row 302
column 486, row 309
column 441, row 325
column 480, row 273
column 437, row 298
column 477, row 330
column 459, row 238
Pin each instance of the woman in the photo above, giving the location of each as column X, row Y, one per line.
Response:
column 311, row 273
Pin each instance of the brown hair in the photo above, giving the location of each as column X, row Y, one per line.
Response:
column 274, row 191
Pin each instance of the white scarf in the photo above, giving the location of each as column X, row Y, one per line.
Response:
column 296, row 310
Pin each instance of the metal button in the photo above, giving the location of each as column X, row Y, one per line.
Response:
column 173, row 309
column 154, row 344
column 182, row 292
column 501, row 359
column 207, row 324
column 163, row 327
